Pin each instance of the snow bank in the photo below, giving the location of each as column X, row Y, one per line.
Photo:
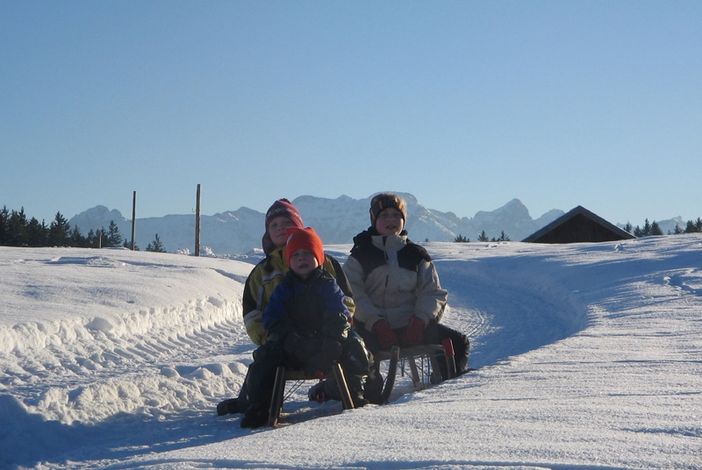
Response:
column 588, row 356
column 96, row 322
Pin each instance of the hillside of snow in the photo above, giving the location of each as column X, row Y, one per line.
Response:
column 586, row 356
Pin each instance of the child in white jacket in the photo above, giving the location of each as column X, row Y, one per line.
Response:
column 399, row 299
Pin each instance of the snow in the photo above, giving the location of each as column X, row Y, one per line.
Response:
column 586, row 355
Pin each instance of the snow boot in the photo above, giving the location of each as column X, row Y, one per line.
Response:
column 318, row 392
column 255, row 417
column 231, row 406
column 374, row 388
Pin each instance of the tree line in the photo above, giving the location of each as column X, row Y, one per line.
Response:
column 483, row 238
column 652, row 228
column 690, row 227
column 16, row 229
column 648, row 229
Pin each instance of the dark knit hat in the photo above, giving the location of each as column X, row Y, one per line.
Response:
column 280, row 208
column 304, row 239
column 382, row 201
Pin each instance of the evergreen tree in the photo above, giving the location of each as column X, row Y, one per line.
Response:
column 638, row 232
column 690, row 227
column 113, row 237
column 37, row 233
column 628, row 227
column 59, row 231
column 77, row 239
column 655, row 229
column 128, row 244
column 156, row 245
column 17, row 228
column 4, row 225
column 698, row 224
column 483, row 237
column 91, row 240
column 678, row 230
column 646, row 228
column 503, row 237
column 461, row 239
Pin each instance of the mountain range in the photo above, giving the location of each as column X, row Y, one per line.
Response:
column 336, row 221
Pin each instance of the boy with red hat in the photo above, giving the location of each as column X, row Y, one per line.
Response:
column 309, row 327
column 280, row 217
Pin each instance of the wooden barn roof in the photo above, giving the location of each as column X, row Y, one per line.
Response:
column 578, row 225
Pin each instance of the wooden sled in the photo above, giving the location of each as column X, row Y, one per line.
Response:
column 423, row 362
column 283, row 375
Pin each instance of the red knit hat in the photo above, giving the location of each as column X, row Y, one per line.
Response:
column 280, row 208
column 304, row 239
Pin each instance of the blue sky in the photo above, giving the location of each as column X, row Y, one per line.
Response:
column 465, row 104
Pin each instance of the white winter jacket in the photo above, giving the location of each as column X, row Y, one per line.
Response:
column 393, row 278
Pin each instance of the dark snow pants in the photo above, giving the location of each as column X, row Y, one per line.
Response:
column 354, row 360
column 434, row 333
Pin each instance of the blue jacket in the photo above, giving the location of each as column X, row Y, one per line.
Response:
column 313, row 307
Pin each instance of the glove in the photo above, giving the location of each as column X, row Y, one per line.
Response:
column 301, row 348
column 385, row 334
column 331, row 350
column 320, row 364
column 414, row 333
column 293, row 344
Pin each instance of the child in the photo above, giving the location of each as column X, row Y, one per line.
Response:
column 308, row 328
column 398, row 297
column 265, row 277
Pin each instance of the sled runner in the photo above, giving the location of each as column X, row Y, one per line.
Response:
column 283, row 375
column 424, row 366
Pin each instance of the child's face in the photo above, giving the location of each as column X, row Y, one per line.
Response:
column 389, row 222
column 303, row 262
column 278, row 230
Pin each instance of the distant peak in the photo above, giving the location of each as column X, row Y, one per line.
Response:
column 514, row 203
column 98, row 208
column 98, row 212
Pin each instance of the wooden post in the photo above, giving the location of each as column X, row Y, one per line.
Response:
column 197, row 221
column 133, row 217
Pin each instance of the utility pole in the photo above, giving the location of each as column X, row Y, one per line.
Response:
column 197, row 221
column 133, row 217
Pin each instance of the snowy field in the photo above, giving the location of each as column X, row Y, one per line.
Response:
column 587, row 356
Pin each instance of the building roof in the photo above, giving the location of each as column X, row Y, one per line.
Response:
column 578, row 225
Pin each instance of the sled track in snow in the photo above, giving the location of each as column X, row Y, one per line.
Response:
column 505, row 317
column 98, row 356
column 477, row 325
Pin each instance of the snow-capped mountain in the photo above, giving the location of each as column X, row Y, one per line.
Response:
column 336, row 220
